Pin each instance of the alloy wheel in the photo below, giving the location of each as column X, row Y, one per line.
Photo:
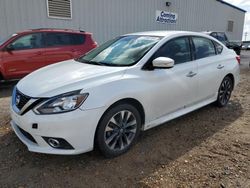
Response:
column 225, row 91
column 120, row 130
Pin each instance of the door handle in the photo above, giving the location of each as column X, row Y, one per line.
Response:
column 220, row 66
column 191, row 74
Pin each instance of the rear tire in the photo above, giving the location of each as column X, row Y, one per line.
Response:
column 118, row 130
column 224, row 92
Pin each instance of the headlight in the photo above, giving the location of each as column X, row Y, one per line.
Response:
column 62, row 103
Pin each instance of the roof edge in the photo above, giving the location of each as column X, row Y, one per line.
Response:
column 231, row 5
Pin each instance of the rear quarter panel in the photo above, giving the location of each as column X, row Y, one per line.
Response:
column 231, row 65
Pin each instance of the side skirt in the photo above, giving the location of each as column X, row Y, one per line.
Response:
column 178, row 113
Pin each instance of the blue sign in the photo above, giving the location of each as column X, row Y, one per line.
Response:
column 166, row 17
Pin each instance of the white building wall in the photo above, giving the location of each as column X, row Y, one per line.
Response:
column 109, row 18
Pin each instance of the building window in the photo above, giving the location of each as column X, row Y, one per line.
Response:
column 230, row 26
column 59, row 9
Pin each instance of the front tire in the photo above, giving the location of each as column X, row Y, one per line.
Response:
column 224, row 92
column 118, row 130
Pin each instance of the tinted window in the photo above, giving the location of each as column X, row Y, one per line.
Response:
column 214, row 35
column 176, row 49
column 63, row 39
column 221, row 37
column 77, row 39
column 30, row 41
column 203, row 47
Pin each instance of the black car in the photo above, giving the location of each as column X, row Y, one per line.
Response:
column 222, row 37
column 245, row 45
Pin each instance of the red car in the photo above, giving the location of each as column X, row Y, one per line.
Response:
column 27, row 51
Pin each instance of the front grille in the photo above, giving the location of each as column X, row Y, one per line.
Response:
column 23, row 99
column 27, row 135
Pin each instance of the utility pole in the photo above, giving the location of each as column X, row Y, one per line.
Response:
column 246, row 36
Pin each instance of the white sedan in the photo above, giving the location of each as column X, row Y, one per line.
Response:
column 127, row 85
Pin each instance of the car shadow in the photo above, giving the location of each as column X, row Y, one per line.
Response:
column 6, row 88
column 156, row 147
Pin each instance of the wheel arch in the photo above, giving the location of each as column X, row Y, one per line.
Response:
column 131, row 101
column 231, row 76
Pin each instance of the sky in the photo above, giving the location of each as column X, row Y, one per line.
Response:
column 244, row 4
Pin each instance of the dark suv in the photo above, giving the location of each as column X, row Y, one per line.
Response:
column 24, row 52
column 222, row 37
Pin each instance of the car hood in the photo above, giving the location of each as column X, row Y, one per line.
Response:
column 66, row 76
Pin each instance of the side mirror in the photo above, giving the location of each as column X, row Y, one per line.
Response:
column 163, row 62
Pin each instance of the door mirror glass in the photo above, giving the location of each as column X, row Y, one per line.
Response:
column 163, row 62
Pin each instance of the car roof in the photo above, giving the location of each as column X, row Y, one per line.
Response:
column 52, row 30
column 167, row 33
column 209, row 32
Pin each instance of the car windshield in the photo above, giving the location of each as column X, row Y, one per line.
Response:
column 122, row 51
column 6, row 38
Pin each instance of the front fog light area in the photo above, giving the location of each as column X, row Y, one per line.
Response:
column 62, row 103
column 58, row 143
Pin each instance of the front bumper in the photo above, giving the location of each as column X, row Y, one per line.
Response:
column 76, row 127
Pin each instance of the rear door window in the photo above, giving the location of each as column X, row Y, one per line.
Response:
column 203, row 47
column 63, row 39
column 77, row 39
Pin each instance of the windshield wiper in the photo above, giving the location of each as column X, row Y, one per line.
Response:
column 96, row 63
column 89, row 62
column 100, row 63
